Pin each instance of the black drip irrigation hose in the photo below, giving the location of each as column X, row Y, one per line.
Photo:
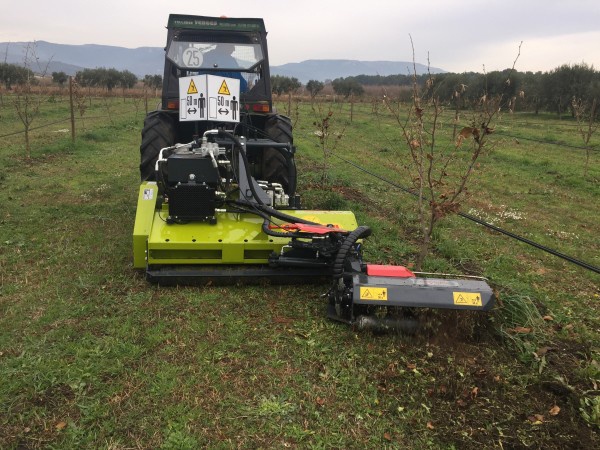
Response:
column 571, row 259
column 559, row 144
column 34, row 128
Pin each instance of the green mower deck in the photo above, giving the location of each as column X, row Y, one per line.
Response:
column 235, row 239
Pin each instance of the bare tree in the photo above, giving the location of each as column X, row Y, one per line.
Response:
column 80, row 97
column 107, row 103
column 586, row 125
column 28, row 98
column 441, row 172
column 324, row 121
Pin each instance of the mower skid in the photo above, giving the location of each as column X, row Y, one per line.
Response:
column 198, row 275
column 422, row 292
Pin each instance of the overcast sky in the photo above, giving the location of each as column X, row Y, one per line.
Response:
column 458, row 36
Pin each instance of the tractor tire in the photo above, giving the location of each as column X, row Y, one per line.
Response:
column 276, row 166
column 158, row 132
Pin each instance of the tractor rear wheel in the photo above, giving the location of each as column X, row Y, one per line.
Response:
column 276, row 166
column 158, row 133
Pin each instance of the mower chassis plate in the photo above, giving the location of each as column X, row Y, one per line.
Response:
column 236, row 238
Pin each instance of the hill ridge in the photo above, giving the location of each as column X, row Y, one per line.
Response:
column 71, row 58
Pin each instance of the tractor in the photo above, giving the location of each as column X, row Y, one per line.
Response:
column 218, row 201
column 224, row 47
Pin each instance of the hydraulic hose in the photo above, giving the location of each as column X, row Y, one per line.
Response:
column 261, row 205
column 242, row 154
column 266, row 212
column 338, row 264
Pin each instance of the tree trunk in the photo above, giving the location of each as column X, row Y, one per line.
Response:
column 423, row 251
column 72, row 107
column 27, row 146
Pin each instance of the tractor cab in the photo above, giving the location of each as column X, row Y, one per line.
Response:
column 227, row 59
column 233, row 48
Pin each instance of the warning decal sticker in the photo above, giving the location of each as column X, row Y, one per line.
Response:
column 148, row 194
column 467, row 298
column 209, row 97
column 373, row 293
column 192, row 89
column 224, row 90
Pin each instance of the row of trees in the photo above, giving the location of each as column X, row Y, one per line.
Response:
column 284, row 85
column 107, row 78
column 558, row 90
column 554, row 91
column 17, row 75
column 341, row 86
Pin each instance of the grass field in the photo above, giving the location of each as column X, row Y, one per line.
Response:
column 92, row 356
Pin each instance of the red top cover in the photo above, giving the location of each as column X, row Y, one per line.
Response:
column 389, row 271
column 306, row 228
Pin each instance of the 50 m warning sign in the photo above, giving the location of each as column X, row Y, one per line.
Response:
column 209, row 97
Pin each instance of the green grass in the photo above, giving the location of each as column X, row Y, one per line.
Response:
column 92, row 356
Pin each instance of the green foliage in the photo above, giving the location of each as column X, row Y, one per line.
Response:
column 520, row 323
column 59, row 78
column 314, row 87
column 177, row 438
column 327, row 200
column 11, row 74
column 153, row 81
column 389, row 80
column 590, row 410
column 527, row 91
column 284, row 85
column 107, row 78
column 567, row 82
column 127, row 79
column 347, row 87
column 272, row 406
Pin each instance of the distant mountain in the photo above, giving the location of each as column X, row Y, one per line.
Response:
column 149, row 60
column 330, row 69
column 71, row 58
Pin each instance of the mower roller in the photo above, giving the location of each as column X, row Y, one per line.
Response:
column 218, row 202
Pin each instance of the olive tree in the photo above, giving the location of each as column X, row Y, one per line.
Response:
column 347, row 87
column 59, row 78
column 284, row 85
column 314, row 87
column 13, row 74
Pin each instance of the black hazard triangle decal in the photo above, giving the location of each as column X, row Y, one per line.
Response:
column 460, row 300
column 224, row 90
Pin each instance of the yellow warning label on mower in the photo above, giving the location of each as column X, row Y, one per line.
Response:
column 373, row 293
column 467, row 298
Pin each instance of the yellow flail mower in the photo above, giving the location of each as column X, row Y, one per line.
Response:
column 218, row 201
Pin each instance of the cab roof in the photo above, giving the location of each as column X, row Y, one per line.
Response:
column 185, row 22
